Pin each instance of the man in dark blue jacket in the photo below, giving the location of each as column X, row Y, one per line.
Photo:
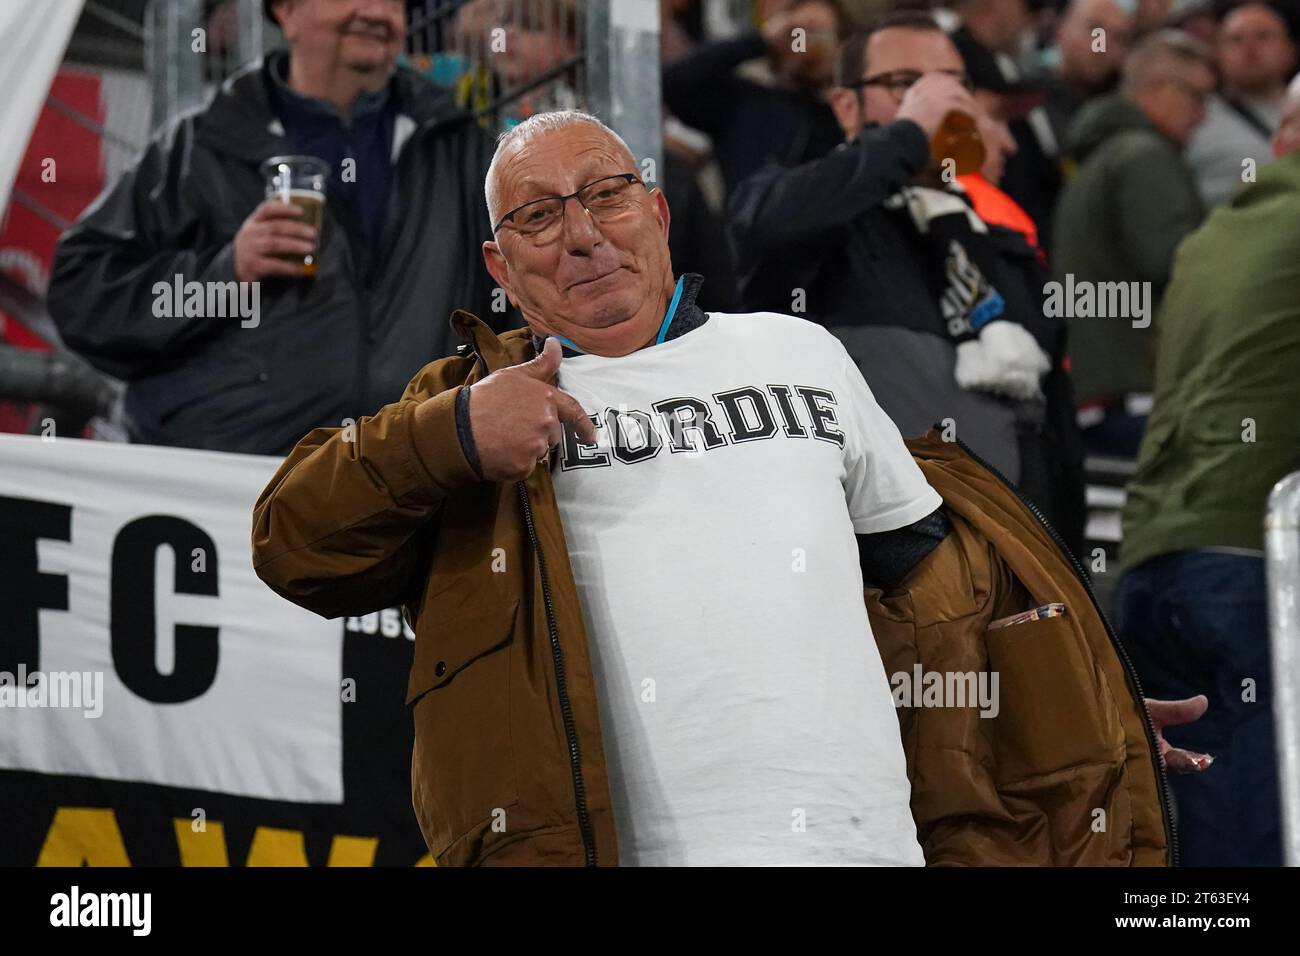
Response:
column 399, row 245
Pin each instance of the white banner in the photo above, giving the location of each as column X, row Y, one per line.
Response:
column 129, row 566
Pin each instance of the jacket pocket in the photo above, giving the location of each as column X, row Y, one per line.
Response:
column 1050, row 699
column 463, row 767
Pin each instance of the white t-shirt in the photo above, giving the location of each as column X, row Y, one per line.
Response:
column 747, row 715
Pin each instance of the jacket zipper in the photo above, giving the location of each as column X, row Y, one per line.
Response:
column 557, row 660
column 566, row 708
column 1129, row 670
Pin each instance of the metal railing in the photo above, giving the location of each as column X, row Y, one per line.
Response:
column 1282, row 550
column 508, row 59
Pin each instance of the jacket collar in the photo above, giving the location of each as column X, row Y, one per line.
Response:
column 285, row 96
column 682, row 316
column 520, row 345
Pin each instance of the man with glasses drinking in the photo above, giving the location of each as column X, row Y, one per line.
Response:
column 1132, row 200
column 876, row 242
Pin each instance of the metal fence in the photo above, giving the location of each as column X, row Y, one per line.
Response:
column 506, row 59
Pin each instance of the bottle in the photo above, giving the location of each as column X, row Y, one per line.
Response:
column 958, row 139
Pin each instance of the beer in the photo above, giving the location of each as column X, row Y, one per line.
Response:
column 958, row 139
column 312, row 205
column 300, row 181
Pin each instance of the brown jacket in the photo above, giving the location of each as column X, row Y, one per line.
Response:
column 509, row 764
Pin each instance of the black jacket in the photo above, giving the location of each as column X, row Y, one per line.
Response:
column 326, row 349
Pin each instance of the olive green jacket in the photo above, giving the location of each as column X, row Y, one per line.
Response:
column 1226, row 423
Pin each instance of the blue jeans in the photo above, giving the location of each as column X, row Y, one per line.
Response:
column 1196, row 622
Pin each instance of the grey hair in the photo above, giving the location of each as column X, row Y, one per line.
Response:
column 1152, row 58
column 537, row 124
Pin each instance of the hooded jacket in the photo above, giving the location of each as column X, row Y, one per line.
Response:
column 321, row 350
column 509, row 763
column 1129, row 202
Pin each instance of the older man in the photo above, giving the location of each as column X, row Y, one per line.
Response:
column 656, row 649
column 321, row 349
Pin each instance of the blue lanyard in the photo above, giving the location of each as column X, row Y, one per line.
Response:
column 663, row 329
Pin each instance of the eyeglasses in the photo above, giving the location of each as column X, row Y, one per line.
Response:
column 606, row 198
column 899, row 82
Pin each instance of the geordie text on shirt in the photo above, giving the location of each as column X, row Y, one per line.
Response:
column 690, row 425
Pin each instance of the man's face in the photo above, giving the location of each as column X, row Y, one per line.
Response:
column 812, row 65
column 362, row 35
column 598, row 279
column 889, row 51
column 1089, row 60
column 1255, row 55
column 1176, row 104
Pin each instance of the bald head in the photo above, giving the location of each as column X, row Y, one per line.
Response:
column 517, row 138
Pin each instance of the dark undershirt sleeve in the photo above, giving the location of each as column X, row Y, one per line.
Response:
column 888, row 557
column 464, row 432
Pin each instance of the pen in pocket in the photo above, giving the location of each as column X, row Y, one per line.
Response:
column 1055, row 609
